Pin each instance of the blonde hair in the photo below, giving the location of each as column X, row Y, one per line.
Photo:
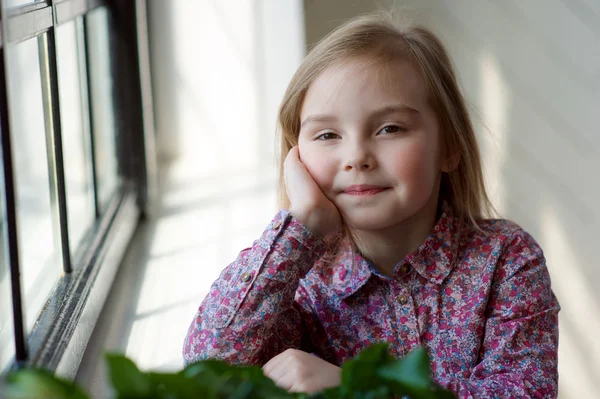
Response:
column 382, row 37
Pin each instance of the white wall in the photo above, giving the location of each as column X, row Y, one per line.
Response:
column 531, row 70
column 219, row 71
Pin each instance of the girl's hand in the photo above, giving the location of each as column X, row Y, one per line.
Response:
column 298, row 371
column 308, row 203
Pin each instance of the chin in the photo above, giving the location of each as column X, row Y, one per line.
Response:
column 370, row 220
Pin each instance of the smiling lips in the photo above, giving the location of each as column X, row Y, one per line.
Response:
column 364, row 190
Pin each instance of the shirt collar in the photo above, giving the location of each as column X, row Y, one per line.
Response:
column 352, row 271
column 433, row 260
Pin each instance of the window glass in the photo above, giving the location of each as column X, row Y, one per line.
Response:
column 7, row 342
column 39, row 248
column 75, row 131
column 102, row 100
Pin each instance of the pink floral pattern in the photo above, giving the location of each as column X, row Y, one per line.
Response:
column 478, row 299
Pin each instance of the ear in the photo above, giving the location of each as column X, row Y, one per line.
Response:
column 450, row 163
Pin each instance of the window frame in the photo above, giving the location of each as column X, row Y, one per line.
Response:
column 61, row 333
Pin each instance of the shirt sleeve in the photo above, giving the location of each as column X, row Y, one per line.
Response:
column 518, row 358
column 250, row 314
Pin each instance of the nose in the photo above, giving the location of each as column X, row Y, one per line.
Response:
column 359, row 158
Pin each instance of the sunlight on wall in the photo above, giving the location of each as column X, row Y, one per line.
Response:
column 579, row 348
column 494, row 99
column 189, row 257
column 217, row 87
column 220, row 72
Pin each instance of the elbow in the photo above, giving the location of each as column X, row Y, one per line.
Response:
column 205, row 345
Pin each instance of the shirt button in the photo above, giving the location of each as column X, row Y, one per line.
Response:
column 246, row 277
column 277, row 225
column 404, row 269
column 402, row 300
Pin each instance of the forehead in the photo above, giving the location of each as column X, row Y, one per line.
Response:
column 360, row 82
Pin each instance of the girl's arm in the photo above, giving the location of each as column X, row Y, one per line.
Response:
column 249, row 314
column 518, row 358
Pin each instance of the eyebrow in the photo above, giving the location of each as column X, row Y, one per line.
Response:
column 388, row 109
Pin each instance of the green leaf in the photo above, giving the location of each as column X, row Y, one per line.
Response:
column 360, row 373
column 441, row 393
column 373, row 374
column 329, row 393
column 413, row 370
column 167, row 386
column 411, row 376
column 214, row 367
column 128, row 381
column 39, row 384
column 234, row 381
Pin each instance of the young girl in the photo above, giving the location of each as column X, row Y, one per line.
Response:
column 382, row 234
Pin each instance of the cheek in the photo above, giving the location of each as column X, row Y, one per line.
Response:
column 318, row 163
column 416, row 165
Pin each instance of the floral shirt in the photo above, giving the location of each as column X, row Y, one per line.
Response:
column 478, row 299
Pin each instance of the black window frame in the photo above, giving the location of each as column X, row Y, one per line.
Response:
column 58, row 340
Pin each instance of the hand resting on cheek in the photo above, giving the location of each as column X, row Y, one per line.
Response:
column 308, row 203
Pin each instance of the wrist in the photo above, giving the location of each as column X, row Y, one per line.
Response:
column 310, row 221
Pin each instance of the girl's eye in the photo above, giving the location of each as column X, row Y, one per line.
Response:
column 391, row 129
column 327, row 136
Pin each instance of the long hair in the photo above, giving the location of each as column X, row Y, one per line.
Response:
column 381, row 37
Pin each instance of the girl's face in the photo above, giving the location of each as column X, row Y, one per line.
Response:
column 370, row 140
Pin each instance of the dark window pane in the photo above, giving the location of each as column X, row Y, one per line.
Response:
column 102, row 100
column 75, row 130
column 41, row 259
column 7, row 342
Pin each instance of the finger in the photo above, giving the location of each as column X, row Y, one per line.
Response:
column 296, row 176
column 291, row 157
column 292, row 163
column 281, row 374
column 283, row 368
column 273, row 365
column 294, row 153
column 284, row 378
column 295, row 171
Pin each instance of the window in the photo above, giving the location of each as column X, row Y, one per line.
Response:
column 70, row 106
column 39, row 250
column 7, row 349
column 103, row 113
column 76, row 140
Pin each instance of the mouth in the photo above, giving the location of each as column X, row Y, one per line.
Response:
column 364, row 190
